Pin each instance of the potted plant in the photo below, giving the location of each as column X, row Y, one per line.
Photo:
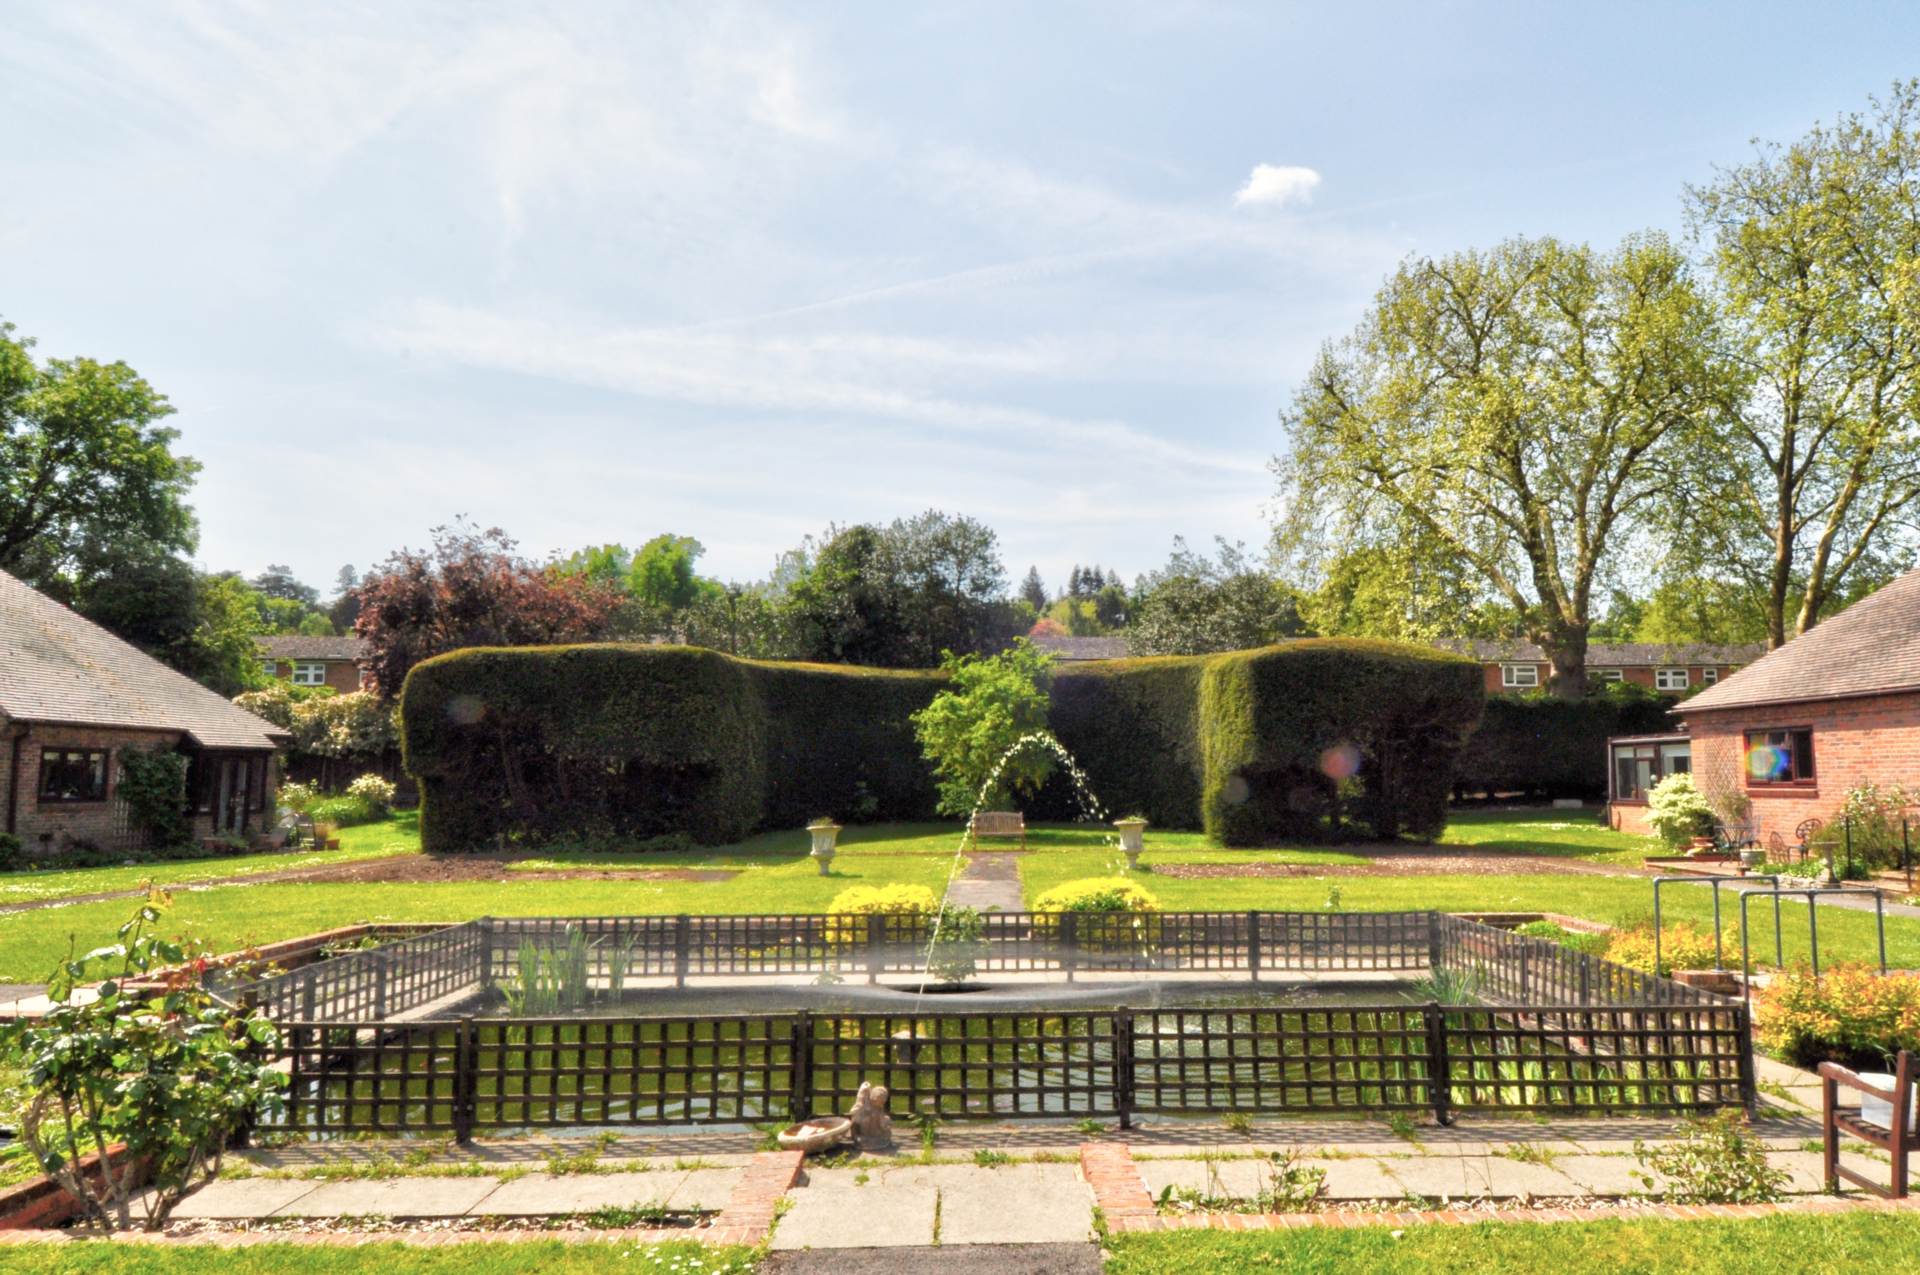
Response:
column 1133, row 831
column 824, row 832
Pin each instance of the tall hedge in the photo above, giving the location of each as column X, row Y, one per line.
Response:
column 1554, row 747
column 569, row 742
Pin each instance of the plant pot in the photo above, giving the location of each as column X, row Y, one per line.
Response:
column 1881, row 1113
column 812, row 1136
column 1751, row 859
column 1697, row 844
column 333, row 843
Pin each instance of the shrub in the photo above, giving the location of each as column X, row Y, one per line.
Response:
column 12, row 851
column 1098, row 894
column 376, row 792
column 1677, row 811
column 1851, row 1014
column 153, row 785
column 874, row 900
column 1717, row 1161
column 299, row 798
column 171, row 1075
column 1590, row 942
column 1682, row 947
column 1873, row 813
column 969, row 732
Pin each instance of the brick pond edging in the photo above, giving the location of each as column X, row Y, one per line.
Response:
column 745, row 1221
column 1124, row 1203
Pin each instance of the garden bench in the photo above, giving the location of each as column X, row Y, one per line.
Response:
column 997, row 823
column 1895, row 1138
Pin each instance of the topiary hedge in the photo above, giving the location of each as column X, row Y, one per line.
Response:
column 1554, row 747
column 546, row 743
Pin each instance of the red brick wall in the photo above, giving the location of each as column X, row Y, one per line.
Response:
column 342, row 675
column 1874, row 738
column 45, row 829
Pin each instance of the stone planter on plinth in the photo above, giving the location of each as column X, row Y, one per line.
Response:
column 1132, row 840
column 824, row 833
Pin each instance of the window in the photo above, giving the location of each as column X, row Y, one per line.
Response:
column 270, row 667
column 1779, row 756
column 73, row 774
column 1519, row 675
column 1708, row 676
column 309, row 673
column 1604, row 674
column 1670, row 679
column 1638, row 767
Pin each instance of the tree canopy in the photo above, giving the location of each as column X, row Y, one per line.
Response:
column 85, row 465
column 1518, row 408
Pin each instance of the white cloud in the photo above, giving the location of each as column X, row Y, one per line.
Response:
column 1278, row 184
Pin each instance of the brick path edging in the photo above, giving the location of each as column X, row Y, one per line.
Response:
column 745, row 1221
column 1121, row 1195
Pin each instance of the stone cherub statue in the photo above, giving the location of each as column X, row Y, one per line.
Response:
column 872, row 1126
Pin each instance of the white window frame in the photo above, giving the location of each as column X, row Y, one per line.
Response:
column 1708, row 676
column 1511, row 677
column 1671, row 679
column 270, row 667
column 309, row 673
column 1607, row 675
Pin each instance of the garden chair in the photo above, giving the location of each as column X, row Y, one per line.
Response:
column 1895, row 1137
column 1804, row 832
column 1738, row 835
column 1777, row 848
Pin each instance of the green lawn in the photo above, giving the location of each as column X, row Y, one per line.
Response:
column 230, row 916
column 1844, row 935
column 1576, row 834
column 399, row 835
column 1785, row 1245
column 537, row 1257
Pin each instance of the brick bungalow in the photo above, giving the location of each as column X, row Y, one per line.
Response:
column 1834, row 708
column 314, row 661
column 74, row 698
column 1512, row 665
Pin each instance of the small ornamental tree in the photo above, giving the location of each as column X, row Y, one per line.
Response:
column 1677, row 811
column 970, row 730
column 153, row 785
column 172, row 1074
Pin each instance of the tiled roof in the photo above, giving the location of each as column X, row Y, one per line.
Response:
column 1608, row 654
column 57, row 667
column 1070, row 649
column 1870, row 648
column 295, row 646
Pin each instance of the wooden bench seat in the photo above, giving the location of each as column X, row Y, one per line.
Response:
column 1896, row 1140
column 997, row 823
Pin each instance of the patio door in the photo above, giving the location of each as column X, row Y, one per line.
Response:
column 229, row 790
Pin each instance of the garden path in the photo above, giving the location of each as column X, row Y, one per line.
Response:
column 989, row 883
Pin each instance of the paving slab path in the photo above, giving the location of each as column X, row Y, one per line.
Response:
column 989, row 883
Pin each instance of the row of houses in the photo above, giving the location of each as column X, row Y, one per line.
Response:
column 1512, row 665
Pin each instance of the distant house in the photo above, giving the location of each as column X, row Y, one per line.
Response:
column 74, row 699
column 1834, row 708
column 1514, row 665
column 1075, row 650
column 315, row 661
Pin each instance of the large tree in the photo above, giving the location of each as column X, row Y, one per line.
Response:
column 84, row 462
column 1809, row 481
column 1517, row 408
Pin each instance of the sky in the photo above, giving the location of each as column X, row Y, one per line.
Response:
column 594, row 272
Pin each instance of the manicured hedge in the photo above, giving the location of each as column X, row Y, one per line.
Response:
column 545, row 743
column 1554, row 747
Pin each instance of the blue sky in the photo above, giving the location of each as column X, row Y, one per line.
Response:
column 595, row 272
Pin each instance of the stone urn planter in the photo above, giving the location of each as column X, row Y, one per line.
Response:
column 1132, row 839
column 1751, row 859
column 824, row 833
